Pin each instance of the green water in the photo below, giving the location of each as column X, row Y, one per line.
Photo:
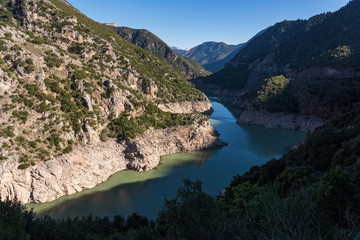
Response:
column 144, row 192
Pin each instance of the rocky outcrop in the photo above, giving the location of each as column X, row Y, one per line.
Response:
column 92, row 164
column 280, row 120
column 144, row 153
column 188, row 107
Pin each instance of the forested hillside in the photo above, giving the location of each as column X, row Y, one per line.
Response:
column 151, row 43
column 317, row 60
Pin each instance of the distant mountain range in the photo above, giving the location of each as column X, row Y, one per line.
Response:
column 153, row 44
column 212, row 55
column 179, row 50
column 303, row 66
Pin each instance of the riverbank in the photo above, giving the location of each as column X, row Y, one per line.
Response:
column 144, row 192
column 88, row 165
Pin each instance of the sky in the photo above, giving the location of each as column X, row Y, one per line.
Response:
column 188, row 23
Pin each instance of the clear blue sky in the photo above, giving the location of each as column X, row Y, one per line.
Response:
column 188, row 23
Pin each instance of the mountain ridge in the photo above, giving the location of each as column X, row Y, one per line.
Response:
column 67, row 83
column 153, row 44
column 312, row 64
column 212, row 55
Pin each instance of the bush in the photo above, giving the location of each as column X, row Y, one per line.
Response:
column 275, row 95
column 8, row 34
column 125, row 127
column 7, row 132
column 67, row 149
column 52, row 60
column 76, row 48
column 24, row 166
column 78, row 75
column 20, row 115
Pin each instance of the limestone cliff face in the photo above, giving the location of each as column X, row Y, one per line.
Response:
column 280, row 120
column 66, row 83
column 187, row 107
column 89, row 165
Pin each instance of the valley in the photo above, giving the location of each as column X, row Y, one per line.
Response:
column 106, row 132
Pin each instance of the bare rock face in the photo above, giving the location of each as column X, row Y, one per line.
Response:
column 83, row 168
column 187, row 107
column 305, row 123
column 92, row 164
column 144, row 153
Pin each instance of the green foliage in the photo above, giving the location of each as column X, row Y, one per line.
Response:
column 7, row 132
column 126, row 127
column 275, row 95
column 79, row 75
column 191, row 215
column 8, row 34
column 341, row 52
column 68, row 149
column 14, row 221
column 76, row 48
column 55, row 140
column 24, row 166
column 151, row 43
column 324, row 169
column 21, row 115
column 33, row 144
column 39, row 41
column 2, row 46
column 52, row 60
column 336, row 185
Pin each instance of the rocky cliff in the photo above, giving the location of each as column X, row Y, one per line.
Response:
column 86, row 166
column 280, row 120
column 187, row 107
column 78, row 103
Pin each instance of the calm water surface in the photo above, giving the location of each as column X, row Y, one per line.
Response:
column 144, row 192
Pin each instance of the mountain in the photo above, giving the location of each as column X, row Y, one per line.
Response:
column 307, row 67
column 79, row 103
column 179, row 50
column 151, row 43
column 220, row 64
column 211, row 55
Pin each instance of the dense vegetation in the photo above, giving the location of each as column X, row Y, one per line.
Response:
column 151, row 43
column 321, row 56
column 312, row 192
column 126, row 127
column 276, row 96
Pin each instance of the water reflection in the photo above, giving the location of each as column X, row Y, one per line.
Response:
column 144, row 192
column 120, row 189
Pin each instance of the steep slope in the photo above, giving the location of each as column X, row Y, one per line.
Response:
column 220, row 64
column 308, row 67
column 210, row 53
column 151, row 43
column 178, row 50
column 78, row 103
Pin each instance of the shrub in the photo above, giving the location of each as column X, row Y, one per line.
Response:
column 24, row 166
column 52, row 60
column 8, row 34
column 67, row 149
column 20, row 115
column 7, row 132
column 78, row 75
column 76, row 48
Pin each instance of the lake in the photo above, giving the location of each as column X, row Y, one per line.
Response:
column 144, row 192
